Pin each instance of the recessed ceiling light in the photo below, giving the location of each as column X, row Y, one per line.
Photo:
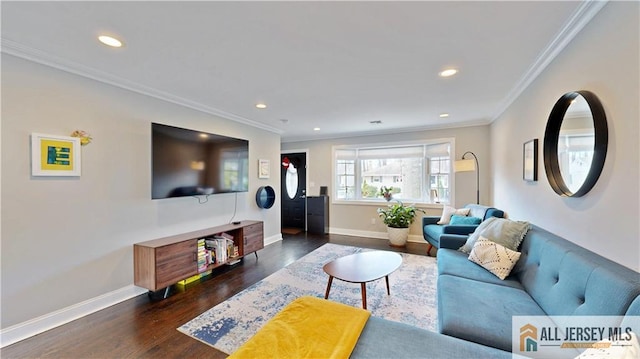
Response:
column 444, row 114
column 261, row 105
column 316, row 128
column 203, row 135
column 110, row 41
column 448, row 72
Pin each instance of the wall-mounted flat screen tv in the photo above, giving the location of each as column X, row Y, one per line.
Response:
column 192, row 163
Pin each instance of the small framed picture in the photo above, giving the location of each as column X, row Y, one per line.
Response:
column 530, row 160
column 263, row 169
column 55, row 155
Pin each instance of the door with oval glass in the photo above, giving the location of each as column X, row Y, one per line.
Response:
column 293, row 170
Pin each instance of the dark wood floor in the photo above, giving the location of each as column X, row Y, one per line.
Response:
column 145, row 328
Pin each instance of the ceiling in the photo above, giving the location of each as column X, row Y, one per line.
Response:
column 337, row 66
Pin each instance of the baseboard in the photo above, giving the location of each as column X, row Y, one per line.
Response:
column 24, row 330
column 372, row 234
column 273, row 239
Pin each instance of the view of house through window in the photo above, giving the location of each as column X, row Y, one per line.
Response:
column 413, row 172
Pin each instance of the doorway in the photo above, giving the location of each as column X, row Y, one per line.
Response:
column 293, row 179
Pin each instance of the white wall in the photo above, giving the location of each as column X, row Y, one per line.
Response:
column 355, row 219
column 603, row 58
column 68, row 240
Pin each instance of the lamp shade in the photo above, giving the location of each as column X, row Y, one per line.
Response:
column 464, row 165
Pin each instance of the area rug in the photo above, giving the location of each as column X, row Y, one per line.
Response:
column 232, row 322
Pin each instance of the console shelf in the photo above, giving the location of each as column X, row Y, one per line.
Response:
column 162, row 262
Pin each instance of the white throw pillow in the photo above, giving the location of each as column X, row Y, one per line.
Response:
column 448, row 211
column 494, row 257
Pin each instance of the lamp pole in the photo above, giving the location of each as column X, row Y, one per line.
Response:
column 477, row 175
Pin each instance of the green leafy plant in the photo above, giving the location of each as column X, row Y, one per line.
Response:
column 398, row 215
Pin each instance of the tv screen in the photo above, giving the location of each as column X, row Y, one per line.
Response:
column 191, row 163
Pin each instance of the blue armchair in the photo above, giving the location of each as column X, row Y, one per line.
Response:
column 454, row 236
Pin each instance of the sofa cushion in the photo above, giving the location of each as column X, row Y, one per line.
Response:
column 493, row 257
column 481, row 312
column 412, row 342
column 456, row 263
column 433, row 231
column 633, row 311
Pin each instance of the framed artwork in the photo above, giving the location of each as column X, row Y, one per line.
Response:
column 263, row 169
column 55, row 155
column 530, row 160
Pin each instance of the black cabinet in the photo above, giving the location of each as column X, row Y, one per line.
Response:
column 318, row 214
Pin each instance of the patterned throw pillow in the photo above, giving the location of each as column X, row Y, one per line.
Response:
column 448, row 211
column 494, row 257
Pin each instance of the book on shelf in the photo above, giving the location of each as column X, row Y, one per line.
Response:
column 203, row 256
column 220, row 248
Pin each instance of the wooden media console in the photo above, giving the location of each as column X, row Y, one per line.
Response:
column 162, row 262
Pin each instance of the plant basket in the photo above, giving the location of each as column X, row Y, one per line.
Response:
column 398, row 236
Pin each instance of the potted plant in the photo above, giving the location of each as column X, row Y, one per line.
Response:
column 386, row 192
column 398, row 218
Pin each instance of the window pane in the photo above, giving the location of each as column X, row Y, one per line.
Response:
column 403, row 174
column 345, row 179
column 435, row 166
column 362, row 172
column 351, row 167
column 445, row 166
column 291, row 181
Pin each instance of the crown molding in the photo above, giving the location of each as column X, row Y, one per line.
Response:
column 439, row 126
column 583, row 15
column 16, row 49
column 580, row 18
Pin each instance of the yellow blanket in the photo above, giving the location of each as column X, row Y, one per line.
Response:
column 308, row 327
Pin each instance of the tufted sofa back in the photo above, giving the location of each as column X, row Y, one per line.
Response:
column 566, row 279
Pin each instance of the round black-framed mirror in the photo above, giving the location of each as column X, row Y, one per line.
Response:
column 265, row 197
column 572, row 173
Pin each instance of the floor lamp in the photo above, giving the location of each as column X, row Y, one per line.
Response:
column 466, row 165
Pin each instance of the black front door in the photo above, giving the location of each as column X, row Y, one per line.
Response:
column 293, row 189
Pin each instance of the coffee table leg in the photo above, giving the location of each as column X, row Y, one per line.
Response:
column 364, row 295
column 386, row 278
column 326, row 294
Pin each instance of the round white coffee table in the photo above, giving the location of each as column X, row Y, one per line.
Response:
column 361, row 268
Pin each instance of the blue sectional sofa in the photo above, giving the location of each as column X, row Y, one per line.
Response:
column 553, row 277
column 382, row 338
column 455, row 235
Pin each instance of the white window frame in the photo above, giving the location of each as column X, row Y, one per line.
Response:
column 378, row 201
